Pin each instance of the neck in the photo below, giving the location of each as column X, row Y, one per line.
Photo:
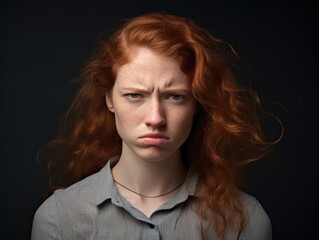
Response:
column 150, row 178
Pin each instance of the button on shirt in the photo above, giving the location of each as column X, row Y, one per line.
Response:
column 93, row 209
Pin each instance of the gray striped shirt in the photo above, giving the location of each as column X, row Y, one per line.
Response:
column 93, row 209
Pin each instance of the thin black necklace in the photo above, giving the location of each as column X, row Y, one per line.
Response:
column 146, row 195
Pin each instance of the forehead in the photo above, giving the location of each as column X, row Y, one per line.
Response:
column 147, row 66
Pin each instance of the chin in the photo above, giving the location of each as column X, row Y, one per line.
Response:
column 154, row 154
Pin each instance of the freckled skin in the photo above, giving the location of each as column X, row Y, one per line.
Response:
column 151, row 95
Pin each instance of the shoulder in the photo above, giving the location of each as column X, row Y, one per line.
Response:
column 258, row 224
column 250, row 202
column 55, row 210
column 84, row 191
column 45, row 222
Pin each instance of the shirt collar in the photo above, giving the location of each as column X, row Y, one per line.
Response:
column 106, row 188
column 190, row 184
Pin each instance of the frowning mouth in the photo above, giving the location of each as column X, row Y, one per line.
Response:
column 154, row 139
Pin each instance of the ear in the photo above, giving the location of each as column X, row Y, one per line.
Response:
column 109, row 101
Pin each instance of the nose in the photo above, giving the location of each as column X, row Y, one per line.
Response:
column 155, row 116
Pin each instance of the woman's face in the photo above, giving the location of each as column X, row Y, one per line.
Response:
column 153, row 106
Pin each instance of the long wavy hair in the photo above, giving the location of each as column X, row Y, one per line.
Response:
column 226, row 132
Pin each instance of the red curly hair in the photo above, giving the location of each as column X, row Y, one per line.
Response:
column 226, row 132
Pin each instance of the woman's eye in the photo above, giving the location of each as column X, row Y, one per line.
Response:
column 176, row 97
column 133, row 95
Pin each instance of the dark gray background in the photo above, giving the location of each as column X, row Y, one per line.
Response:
column 44, row 45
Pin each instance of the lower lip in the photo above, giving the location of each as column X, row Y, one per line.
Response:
column 153, row 141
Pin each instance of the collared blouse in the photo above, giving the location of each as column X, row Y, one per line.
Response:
column 93, row 209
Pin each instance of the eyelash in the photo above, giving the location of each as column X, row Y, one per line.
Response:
column 173, row 96
column 133, row 95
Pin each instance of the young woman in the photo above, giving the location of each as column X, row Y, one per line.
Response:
column 151, row 146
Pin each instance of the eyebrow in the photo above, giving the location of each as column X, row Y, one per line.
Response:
column 145, row 90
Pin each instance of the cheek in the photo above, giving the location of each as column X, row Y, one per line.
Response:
column 125, row 121
column 187, row 126
column 184, row 122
